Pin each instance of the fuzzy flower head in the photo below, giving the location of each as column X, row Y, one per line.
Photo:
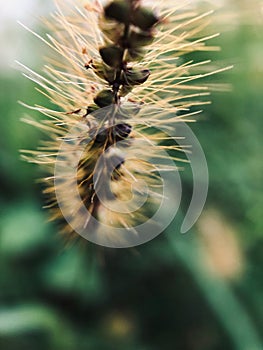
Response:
column 123, row 90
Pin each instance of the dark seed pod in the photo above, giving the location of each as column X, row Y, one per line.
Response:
column 109, row 74
column 112, row 55
column 101, row 135
column 103, row 71
column 118, row 10
column 136, row 77
column 104, row 98
column 137, row 39
column 122, row 131
column 144, row 18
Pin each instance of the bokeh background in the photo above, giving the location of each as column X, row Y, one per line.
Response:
column 199, row 291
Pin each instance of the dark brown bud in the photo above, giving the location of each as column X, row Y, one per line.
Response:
column 103, row 71
column 104, row 98
column 122, row 131
column 101, row 135
column 112, row 55
column 118, row 10
column 135, row 76
column 144, row 18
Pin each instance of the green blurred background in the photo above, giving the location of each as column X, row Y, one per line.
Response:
column 199, row 291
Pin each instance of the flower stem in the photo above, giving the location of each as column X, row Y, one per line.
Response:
column 117, row 83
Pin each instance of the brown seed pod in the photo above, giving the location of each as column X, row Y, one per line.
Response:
column 112, row 55
column 119, row 11
column 144, row 18
column 136, row 76
column 104, row 98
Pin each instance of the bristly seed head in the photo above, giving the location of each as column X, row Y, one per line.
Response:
column 117, row 77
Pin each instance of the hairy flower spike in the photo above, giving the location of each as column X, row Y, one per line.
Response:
column 117, row 77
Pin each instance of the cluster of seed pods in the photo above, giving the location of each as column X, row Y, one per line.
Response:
column 127, row 29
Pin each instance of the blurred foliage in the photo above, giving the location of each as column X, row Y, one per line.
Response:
column 200, row 291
